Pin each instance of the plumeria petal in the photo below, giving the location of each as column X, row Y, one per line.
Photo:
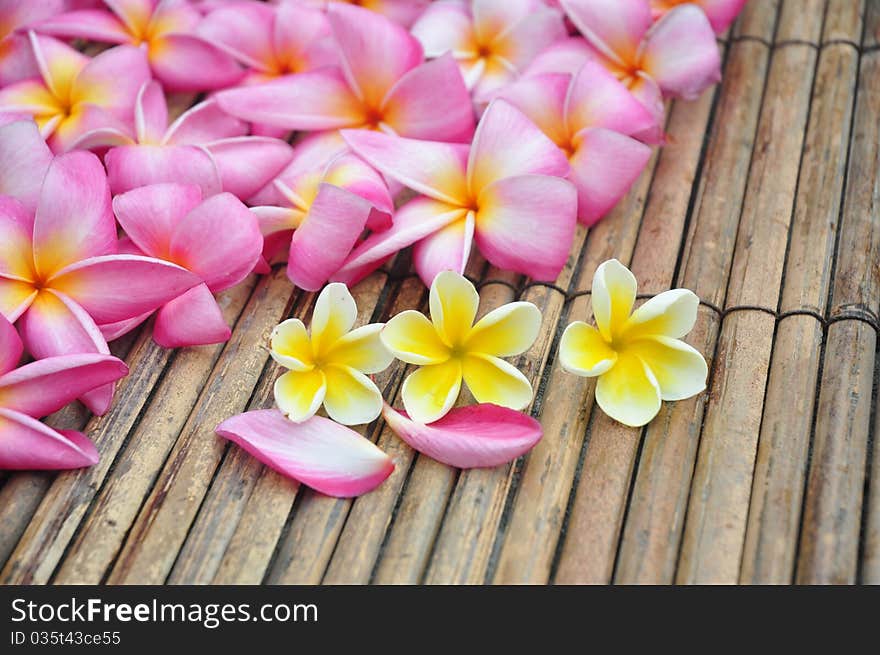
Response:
column 150, row 214
column 350, row 172
column 16, row 240
column 493, row 380
column 597, row 99
column 362, row 349
column 721, row 13
column 351, row 398
column 11, row 347
column 448, row 249
column 412, row 338
column 291, row 346
column 679, row 369
column 243, row 30
column 613, row 295
column 519, row 44
column 204, row 123
column 320, row 453
column 247, row 163
column 446, row 27
column 542, row 99
column 130, row 167
column 334, row 315
column 20, row 141
column 584, row 352
column 59, row 64
column 302, row 38
column 615, row 27
column 150, row 113
column 184, row 62
column 134, row 13
column 15, row 297
column 192, row 319
column 112, row 80
column 453, row 301
column 88, row 24
column 669, row 314
column 564, row 56
column 299, row 394
column 27, row 444
column 469, row 437
column 506, row 331
column 430, row 392
column 629, row 391
column 17, row 61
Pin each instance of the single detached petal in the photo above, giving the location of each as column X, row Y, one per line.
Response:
column 204, row 123
column 87, row 24
column 320, row 453
column 248, row 163
column 493, row 380
column 334, row 315
column 469, row 437
column 151, row 214
column 614, row 27
column 192, row 319
column 669, row 314
column 506, row 331
column 453, row 301
column 629, row 392
column 299, row 394
column 11, row 347
column 431, row 391
column 361, row 349
column 27, row 444
column 184, row 62
column 526, row 224
column 413, row 339
column 20, row 142
column 446, row 27
column 597, row 99
column 448, row 249
column 16, row 245
column 291, row 346
column 584, row 352
column 613, row 295
column 351, row 398
column 130, row 167
column 680, row 370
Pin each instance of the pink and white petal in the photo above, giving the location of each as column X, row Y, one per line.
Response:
column 134, row 13
column 320, row 453
column 130, row 167
column 248, row 163
column 598, row 99
column 17, row 61
column 243, row 30
column 402, row 12
column 494, row 74
column 530, row 36
column 604, row 167
column 46, row 385
column 88, row 24
column 113, row 331
column 30, row 97
column 564, row 56
column 150, row 214
column 721, row 13
column 150, row 113
column 15, row 298
column 16, row 233
column 431, row 102
column 28, row 444
column 375, row 52
column 526, row 224
column 59, row 64
column 326, row 237
column 173, row 16
column 183, row 62
column 469, row 437
column 114, row 288
column 494, row 18
column 614, row 27
column 415, row 220
column 276, row 219
column 74, row 219
column 542, row 99
column 351, row 398
column 302, row 35
column 27, row 157
column 646, row 91
column 193, row 319
column 202, row 124
column 112, row 81
column 316, row 100
column 681, row 53
column 434, row 169
column 350, row 172
column 508, row 144
column 447, row 249
column 446, row 26
column 11, row 347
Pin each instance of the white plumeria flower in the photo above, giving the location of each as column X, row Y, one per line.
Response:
column 637, row 356
column 330, row 365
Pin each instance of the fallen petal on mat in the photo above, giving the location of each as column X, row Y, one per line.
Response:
column 320, row 453
column 477, row 436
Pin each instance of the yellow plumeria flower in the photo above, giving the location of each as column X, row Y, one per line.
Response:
column 450, row 347
column 637, row 356
column 331, row 365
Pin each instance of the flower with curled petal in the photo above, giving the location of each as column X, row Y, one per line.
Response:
column 637, row 355
column 330, row 365
column 450, row 347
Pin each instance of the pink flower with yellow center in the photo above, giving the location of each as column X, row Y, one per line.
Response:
column 75, row 93
column 165, row 29
column 505, row 194
column 492, row 40
column 402, row 12
column 721, row 13
column 382, row 84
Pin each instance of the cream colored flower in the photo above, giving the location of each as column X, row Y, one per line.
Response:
column 637, row 356
column 330, row 365
column 450, row 348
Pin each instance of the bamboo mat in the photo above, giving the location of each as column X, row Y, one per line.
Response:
column 765, row 202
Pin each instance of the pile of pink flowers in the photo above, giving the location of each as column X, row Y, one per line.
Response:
column 327, row 136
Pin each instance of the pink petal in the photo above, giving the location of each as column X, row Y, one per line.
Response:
column 16, row 246
column 219, row 240
column 15, row 297
column 45, row 386
column 352, row 173
column 150, row 214
column 432, row 168
column 17, row 62
column 519, row 45
column 88, row 24
column 445, row 27
column 73, row 220
column 321, row 244
column 113, row 79
column 431, row 102
column 203, row 123
column 526, row 224
column 542, row 99
column 564, row 56
column 681, row 53
column 317, row 100
column 302, row 38
column 92, row 127
column 25, row 444
column 415, row 220
column 448, row 249
column 118, row 287
column 494, row 18
column 721, row 13
column 129, row 167
column 248, row 163
column 193, row 319
column 244, row 31
column 614, row 27
column 507, row 144
column 11, row 348
column 477, row 436
column 113, row 331
column 598, row 99
column 150, row 113
column 134, row 13
column 375, row 52
column 20, row 142
column 648, row 93
column 59, row 64
column 603, row 169
column 320, row 453
column 183, row 62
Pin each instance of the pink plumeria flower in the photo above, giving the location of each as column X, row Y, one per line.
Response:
column 492, row 40
column 505, row 194
column 317, row 209
column 60, row 275
column 678, row 56
column 204, row 146
column 38, row 389
column 382, row 84
column 75, row 93
column 721, row 13
column 16, row 57
column 165, row 30
column 591, row 117
column 20, row 142
column 217, row 239
column 402, row 12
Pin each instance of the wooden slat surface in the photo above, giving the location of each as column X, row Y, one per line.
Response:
column 765, row 201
